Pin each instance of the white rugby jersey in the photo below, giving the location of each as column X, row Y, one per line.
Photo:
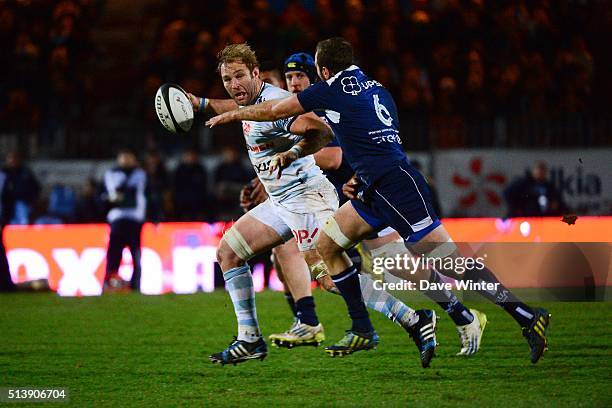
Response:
column 265, row 139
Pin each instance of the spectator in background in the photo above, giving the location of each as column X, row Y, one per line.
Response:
column 157, row 186
column 533, row 195
column 125, row 194
column 190, row 188
column 6, row 208
column 230, row 176
column 88, row 208
column 23, row 187
column 62, row 203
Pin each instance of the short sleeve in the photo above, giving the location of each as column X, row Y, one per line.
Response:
column 315, row 97
column 285, row 124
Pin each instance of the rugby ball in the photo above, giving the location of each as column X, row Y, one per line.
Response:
column 174, row 108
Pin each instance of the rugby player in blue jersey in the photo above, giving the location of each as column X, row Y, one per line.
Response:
column 300, row 73
column 393, row 194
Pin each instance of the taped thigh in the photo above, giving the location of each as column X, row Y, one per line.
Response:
column 332, row 229
column 443, row 250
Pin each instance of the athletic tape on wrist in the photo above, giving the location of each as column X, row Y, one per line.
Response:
column 297, row 150
column 318, row 270
column 203, row 104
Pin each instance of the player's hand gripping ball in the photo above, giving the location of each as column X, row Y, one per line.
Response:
column 174, row 108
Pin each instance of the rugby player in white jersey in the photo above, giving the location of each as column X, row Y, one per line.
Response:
column 300, row 197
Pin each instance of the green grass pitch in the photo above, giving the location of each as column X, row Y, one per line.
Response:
column 132, row 350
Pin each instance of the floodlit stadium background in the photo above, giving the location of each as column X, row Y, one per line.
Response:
column 485, row 91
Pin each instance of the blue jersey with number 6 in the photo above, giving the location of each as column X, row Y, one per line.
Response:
column 364, row 120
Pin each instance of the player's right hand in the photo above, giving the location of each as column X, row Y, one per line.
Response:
column 258, row 192
column 351, row 187
column 282, row 161
column 245, row 198
column 195, row 102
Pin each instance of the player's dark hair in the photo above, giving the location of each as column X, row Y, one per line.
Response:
column 335, row 54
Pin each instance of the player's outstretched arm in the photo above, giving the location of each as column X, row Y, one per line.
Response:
column 329, row 158
column 262, row 112
column 215, row 106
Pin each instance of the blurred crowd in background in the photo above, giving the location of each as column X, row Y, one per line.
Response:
column 463, row 73
column 187, row 192
column 78, row 78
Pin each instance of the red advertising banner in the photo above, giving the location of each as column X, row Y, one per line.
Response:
column 180, row 257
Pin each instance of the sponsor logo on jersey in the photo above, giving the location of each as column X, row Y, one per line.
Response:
column 350, row 85
column 263, row 166
column 260, row 147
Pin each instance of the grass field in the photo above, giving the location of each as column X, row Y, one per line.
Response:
column 123, row 350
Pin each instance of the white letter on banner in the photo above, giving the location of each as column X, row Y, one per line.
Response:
column 152, row 278
column 35, row 264
column 185, row 262
column 79, row 274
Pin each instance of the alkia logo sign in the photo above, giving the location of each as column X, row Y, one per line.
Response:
column 479, row 185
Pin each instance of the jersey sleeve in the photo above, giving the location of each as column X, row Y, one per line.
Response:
column 285, row 124
column 315, row 97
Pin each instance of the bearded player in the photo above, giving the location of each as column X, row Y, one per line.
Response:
column 300, row 197
column 393, row 193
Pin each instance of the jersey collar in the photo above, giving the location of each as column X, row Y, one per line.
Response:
column 263, row 86
column 332, row 79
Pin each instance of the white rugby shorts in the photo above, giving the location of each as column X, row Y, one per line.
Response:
column 300, row 217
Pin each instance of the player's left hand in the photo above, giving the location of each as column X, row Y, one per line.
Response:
column 219, row 119
column 282, row 161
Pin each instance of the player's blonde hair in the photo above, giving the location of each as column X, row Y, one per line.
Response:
column 237, row 53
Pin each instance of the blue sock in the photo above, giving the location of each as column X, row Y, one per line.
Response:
column 306, row 311
column 385, row 303
column 347, row 283
column 291, row 302
column 503, row 297
column 449, row 302
column 240, row 287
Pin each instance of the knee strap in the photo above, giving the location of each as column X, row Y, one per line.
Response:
column 236, row 241
column 443, row 250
